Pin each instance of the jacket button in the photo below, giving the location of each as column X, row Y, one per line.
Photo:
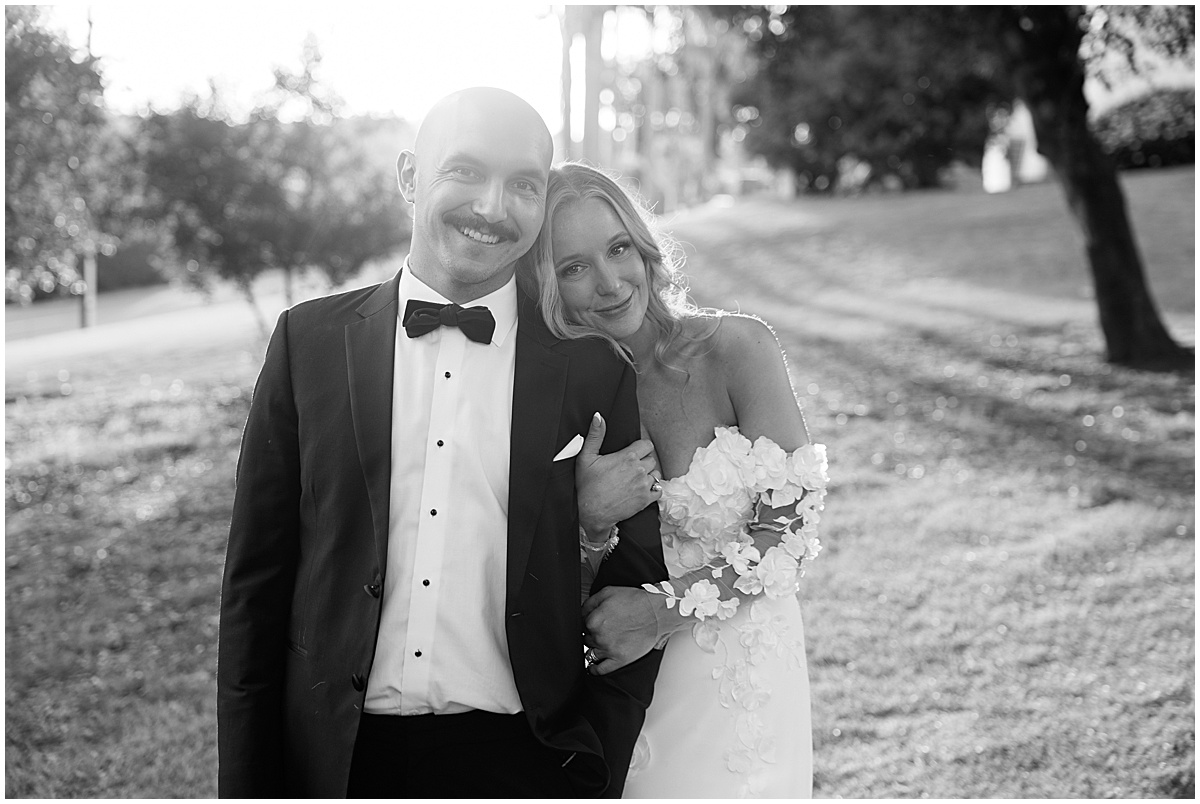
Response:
column 371, row 589
column 358, row 682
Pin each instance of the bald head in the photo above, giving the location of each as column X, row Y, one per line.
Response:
column 483, row 106
column 476, row 178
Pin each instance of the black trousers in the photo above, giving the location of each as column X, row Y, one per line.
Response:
column 468, row 755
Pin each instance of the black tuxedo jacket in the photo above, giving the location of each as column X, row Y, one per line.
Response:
column 301, row 597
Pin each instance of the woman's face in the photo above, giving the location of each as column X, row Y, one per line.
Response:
column 601, row 275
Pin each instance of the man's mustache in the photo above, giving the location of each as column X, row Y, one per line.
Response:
column 464, row 220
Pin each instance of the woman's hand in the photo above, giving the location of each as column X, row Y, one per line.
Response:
column 620, row 625
column 614, row 487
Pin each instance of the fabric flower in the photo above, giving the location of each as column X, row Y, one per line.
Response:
column 714, row 476
column 702, row 597
column 749, row 729
column 786, row 494
column 749, row 584
column 811, row 465
column 748, row 691
column 731, row 443
column 707, row 635
column 795, row 544
column 728, row 608
column 762, row 634
column 740, row 556
column 778, row 573
column 641, row 756
column 770, row 467
column 689, row 554
column 674, row 507
column 739, row 760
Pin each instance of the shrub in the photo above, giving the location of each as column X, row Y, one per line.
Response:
column 1155, row 130
column 134, row 263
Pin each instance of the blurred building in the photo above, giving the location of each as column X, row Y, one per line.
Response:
column 647, row 92
column 1011, row 156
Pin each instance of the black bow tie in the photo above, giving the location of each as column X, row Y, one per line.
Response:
column 426, row 316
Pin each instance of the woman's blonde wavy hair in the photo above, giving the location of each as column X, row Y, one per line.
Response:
column 668, row 302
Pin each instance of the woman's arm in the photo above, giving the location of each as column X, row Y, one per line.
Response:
column 782, row 534
column 754, row 369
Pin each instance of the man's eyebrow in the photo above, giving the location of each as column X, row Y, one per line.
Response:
column 527, row 172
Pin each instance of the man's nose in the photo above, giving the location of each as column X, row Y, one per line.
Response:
column 489, row 205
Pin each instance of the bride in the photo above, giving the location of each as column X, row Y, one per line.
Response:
column 740, row 492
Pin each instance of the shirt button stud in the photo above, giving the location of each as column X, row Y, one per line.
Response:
column 433, row 512
column 447, row 375
column 417, row 654
column 441, row 443
column 425, row 582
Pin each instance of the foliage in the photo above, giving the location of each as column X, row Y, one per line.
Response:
column 898, row 88
column 243, row 197
column 1133, row 40
column 212, row 190
column 1155, row 130
column 139, row 261
column 905, row 89
column 987, row 618
column 341, row 208
column 52, row 116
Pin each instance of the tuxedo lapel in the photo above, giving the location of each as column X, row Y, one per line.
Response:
column 539, row 385
column 370, row 363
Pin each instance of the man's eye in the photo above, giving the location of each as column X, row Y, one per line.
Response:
column 525, row 186
column 466, row 173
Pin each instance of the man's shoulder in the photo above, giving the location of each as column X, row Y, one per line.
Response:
column 334, row 308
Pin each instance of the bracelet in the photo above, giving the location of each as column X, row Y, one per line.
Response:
column 606, row 547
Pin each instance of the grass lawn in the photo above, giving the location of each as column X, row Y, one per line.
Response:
column 1005, row 604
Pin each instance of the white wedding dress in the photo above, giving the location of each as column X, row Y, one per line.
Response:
column 730, row 716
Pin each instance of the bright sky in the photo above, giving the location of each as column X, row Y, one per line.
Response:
column 379, row 57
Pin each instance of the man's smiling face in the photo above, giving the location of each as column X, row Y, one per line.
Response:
column 478, row 185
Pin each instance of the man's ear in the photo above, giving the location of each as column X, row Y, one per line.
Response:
column 406, row 174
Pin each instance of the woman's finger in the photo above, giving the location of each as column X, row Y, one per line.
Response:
column 606, row 666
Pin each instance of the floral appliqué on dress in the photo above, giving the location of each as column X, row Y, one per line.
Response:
column 739, row 528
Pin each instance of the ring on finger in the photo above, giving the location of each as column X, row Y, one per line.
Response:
column 590, row 657
column 655, row 486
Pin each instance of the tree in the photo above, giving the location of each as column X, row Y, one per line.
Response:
column 341, row 208
column 53, row 118
column 1030, row 52
column 1041, row 48
column 889, row 86
column 214, row 192
column 271, row 193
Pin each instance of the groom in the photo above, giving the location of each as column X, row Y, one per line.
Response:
column 400, row 609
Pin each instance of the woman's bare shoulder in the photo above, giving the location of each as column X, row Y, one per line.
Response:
column 741, row 339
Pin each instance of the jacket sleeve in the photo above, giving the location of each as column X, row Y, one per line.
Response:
column 256, row 593
column 615, row 704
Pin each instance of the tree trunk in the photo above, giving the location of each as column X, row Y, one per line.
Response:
column 246, row 286
column 288, row 293
column 1042, row 47
column 568, row 34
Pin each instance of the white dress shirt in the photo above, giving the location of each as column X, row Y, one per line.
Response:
column 441, row 646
